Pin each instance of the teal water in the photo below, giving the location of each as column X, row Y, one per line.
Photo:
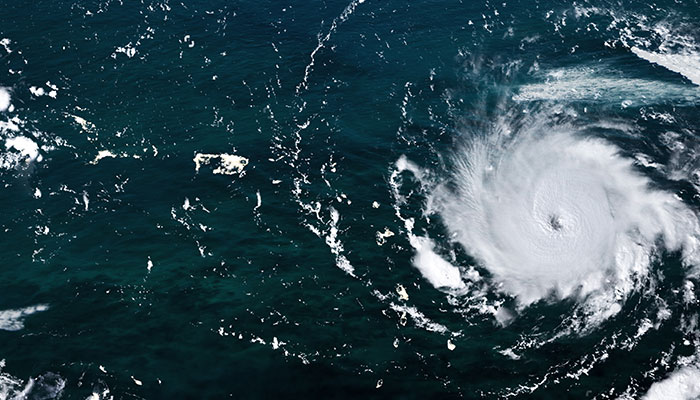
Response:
column 128, row 273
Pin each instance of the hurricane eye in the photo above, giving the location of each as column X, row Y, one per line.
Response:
column 555, row 222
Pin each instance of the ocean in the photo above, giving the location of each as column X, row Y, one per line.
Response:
column 342, row 199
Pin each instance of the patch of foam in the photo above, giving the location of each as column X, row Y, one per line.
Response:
column 548, row 212
column 5, row 99
column 228, row 164
column 13, row 320
column 683, row 384
column 687, row 65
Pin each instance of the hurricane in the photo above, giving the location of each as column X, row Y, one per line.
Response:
column 553, row 213
column 376, row 199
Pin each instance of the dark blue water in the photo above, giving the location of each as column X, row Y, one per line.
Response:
column 289, row 263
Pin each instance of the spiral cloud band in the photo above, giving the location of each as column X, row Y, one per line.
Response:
column 550, row 213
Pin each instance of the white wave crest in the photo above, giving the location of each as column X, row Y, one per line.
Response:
column 548, row 212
